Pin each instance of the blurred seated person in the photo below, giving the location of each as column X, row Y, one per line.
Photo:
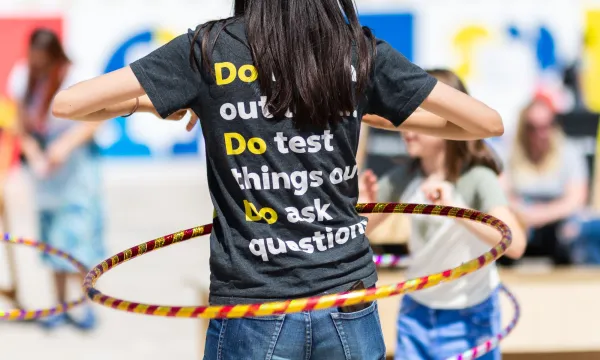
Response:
column 547, row 179
column 582, row 234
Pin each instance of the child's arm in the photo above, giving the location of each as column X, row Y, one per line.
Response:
column 373, row 190
column 29, row 146
column 490, row 195
column 491, row 236
column 60, row 149
column 369, row 193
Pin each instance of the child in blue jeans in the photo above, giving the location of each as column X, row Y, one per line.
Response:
column 450, row 318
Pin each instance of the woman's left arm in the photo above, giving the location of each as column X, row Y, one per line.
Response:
column 115, row 92
column 572, row 201
column 493, row 201
column 60, row 149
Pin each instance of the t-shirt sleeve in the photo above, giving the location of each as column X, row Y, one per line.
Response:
column 575, row 164
column 168, row 76
column 488, row 190
column 399, row 87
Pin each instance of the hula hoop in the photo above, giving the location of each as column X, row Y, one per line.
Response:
column 399, row 261
column 493, row 342
column 20, row 314
column 305, row 304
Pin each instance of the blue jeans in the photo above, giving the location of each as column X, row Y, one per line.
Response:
column 430, row 334
column 317, row 335
column 586, row 243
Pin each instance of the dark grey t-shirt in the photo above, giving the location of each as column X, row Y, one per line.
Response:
column 285, row 224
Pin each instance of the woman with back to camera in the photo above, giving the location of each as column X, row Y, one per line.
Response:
column 448, row 319
column 280, row 89
column 64, row 163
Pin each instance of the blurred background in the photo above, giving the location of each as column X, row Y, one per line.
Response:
column 510, row 53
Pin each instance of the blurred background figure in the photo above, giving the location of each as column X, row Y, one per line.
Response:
column 547, row 179
column 62, row 157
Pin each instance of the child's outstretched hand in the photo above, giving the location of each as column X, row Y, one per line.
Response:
column 368, row 187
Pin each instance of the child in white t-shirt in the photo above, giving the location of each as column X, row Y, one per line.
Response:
column 450, row 318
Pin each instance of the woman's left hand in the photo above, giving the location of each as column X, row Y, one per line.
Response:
column 438, row 192
column 57, row 154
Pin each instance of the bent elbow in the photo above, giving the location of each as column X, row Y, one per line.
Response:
column 515, row 252
column 61, row 107
column 495, row 126
column 518, row 245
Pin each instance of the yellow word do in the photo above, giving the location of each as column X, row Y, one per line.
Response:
column 255, row 145
column 252, row 214
column 246, row 73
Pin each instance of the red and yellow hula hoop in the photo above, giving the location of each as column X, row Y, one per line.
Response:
column 305, row 304
column 20, row 314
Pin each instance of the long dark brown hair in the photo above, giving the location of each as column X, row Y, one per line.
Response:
column 47, row 41
column 307, row 46
column 463, row 155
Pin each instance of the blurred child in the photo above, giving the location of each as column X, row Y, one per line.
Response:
column 451, row 318
column 63, row 159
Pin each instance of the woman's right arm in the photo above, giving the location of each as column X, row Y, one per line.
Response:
column 464, row 111
column 423, row 122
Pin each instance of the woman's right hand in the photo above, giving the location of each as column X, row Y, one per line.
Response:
column 368, row 187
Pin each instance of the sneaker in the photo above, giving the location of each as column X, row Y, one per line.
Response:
column 53, row 322
column 84, row 319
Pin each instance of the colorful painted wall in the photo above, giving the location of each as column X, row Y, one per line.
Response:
column 504, row 49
